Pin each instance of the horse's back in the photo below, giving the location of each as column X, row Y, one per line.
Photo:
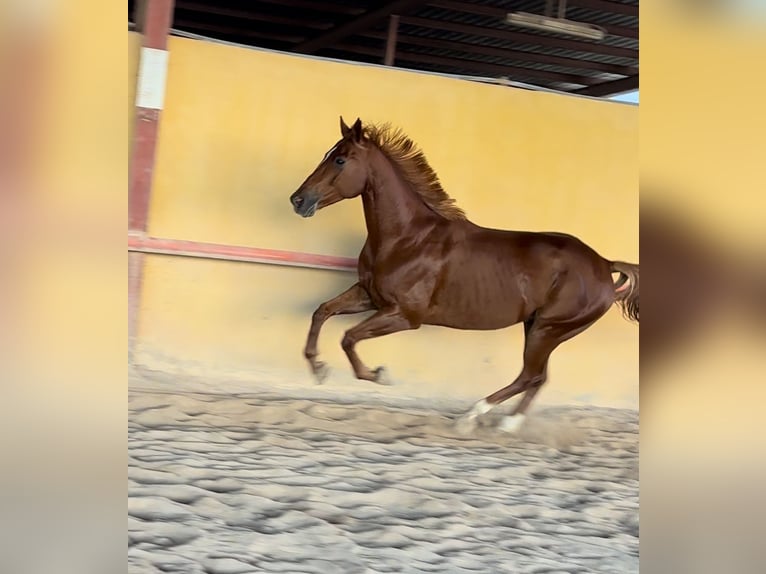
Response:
column 540, row 251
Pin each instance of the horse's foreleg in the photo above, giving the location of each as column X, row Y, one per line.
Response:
column 353, row 300
column 384, row 322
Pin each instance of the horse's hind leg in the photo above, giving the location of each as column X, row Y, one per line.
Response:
column 541, row 340
column 353, row 300
column 384, row 322
column 467, row 423
column 542, row 336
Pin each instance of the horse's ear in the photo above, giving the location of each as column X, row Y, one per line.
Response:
column 356, row 130
column 344, row 129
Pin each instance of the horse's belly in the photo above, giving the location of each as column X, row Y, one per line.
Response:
column 486, row 314
column 479, row 299
column 476, row 323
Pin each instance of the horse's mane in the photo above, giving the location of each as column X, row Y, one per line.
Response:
column 413, row 165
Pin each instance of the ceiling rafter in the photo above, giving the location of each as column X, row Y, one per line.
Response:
column 445, row 36
column 501, row 13
column 608, row 88
column 202, row 8
column 464, row 47
column 318, row 6
column 513, row 34
column 356, row 25
column 608, row 6
column 195, row 26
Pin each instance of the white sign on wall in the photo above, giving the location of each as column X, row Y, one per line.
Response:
column 150, row 91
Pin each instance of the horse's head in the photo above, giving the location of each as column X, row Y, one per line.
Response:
column 342, row 174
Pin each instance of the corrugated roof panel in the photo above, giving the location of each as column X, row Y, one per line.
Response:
column 270, row 23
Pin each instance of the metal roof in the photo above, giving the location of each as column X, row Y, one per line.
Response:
column 444, row 36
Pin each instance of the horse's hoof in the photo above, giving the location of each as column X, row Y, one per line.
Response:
column 511, row 424
column 465, row 425
column 321, row 372
column 381, row 377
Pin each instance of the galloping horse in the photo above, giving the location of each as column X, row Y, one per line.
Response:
column 425, row 263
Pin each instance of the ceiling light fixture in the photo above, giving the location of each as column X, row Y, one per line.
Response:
column 557, row 25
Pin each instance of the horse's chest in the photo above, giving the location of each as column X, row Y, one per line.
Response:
column 386, row 278
column 381, row 287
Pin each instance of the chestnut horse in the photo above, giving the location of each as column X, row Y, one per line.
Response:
column 425, row 263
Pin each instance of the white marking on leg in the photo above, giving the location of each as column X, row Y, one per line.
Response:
column 512, row 423
column 467, row 423
column 480, row 408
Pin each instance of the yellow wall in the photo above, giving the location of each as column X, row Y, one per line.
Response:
column 241, row 129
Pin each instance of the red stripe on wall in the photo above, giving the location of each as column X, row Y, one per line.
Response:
column 239, row 253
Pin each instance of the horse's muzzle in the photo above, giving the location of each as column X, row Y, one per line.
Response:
column 304, row 205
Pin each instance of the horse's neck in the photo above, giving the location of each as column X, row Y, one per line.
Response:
column 391, row 207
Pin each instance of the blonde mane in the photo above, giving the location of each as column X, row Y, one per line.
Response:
column 413, row 165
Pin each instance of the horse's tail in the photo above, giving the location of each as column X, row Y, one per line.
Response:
column 626, row 289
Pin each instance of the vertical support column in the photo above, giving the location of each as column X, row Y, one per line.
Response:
column 135, row 279
column 393, row 28
column 150, row 94
column 153, row 21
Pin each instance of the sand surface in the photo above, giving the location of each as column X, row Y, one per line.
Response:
column 230, row 484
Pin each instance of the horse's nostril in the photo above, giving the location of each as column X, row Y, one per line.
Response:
column 297, row 201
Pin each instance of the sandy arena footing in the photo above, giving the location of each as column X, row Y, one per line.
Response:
column 232, row 484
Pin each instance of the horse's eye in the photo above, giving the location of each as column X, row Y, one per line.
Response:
column 339, row 161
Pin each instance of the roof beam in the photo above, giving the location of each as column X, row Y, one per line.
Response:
column 606, row 6
column 574, row 63
column 501, row 13
column 393, row 32
column 234, row 34
column 475, row 66
column 513, row 34
column 609, row 88
column 356, row 25
column 250, row 15
column 317, row 7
